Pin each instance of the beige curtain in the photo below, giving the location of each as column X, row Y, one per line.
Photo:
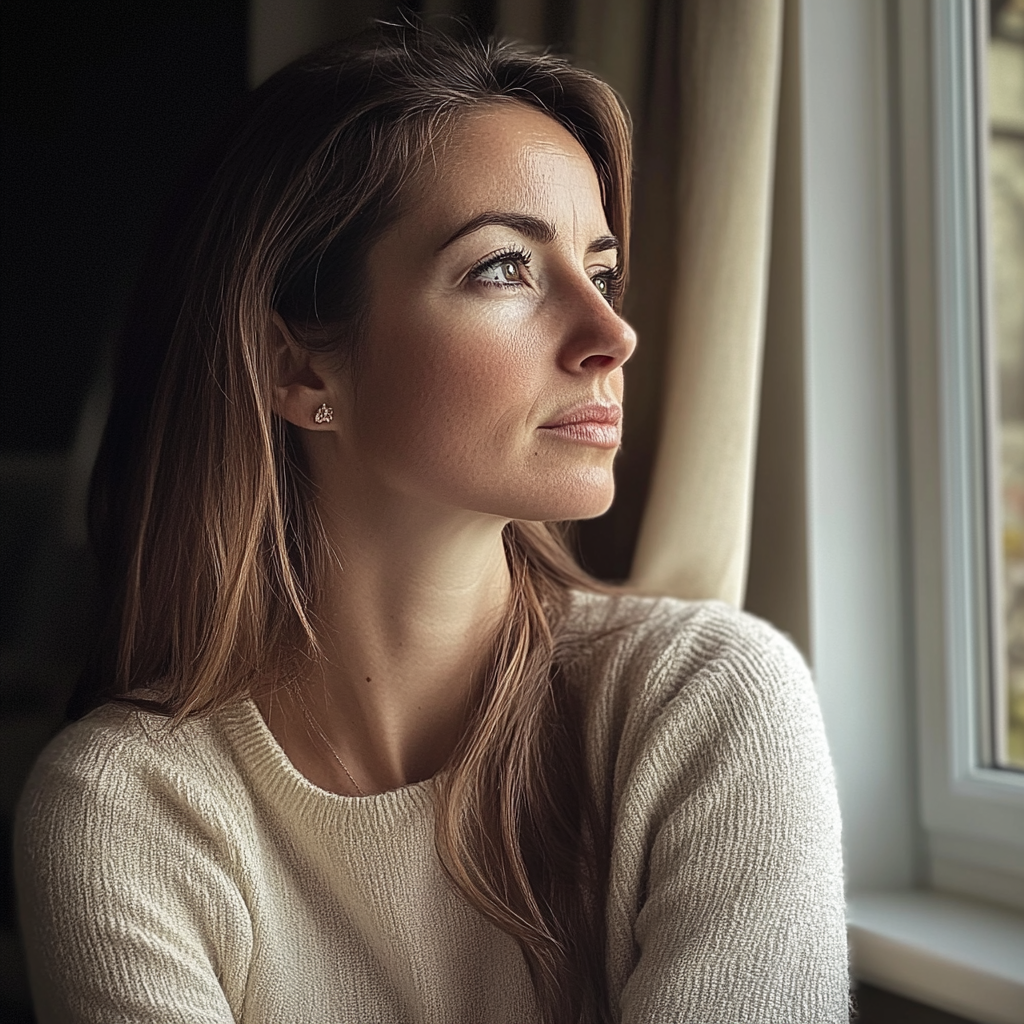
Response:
column 702, row 79
column 777, row 578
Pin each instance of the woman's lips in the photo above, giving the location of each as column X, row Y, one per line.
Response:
column 597, row 425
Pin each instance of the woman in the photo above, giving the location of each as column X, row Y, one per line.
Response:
column 379, row 750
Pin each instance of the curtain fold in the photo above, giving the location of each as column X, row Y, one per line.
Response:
column 632, row 44
column 701, row 78
column 778, row 574
column 694, row 538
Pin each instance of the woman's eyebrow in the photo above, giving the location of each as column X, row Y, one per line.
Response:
column 532, row 227
column 603, row 244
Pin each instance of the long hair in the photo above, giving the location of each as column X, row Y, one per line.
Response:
column 201, row 510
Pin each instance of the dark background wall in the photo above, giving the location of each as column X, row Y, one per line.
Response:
column 103, row 104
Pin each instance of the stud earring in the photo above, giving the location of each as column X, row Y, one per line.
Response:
column 324, row 414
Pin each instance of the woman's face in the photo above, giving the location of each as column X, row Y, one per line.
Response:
column 491, row 377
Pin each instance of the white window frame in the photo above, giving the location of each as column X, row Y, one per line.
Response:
column 973, row 814
column 896, row 570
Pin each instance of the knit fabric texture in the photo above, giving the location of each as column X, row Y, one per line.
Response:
column 193, row 874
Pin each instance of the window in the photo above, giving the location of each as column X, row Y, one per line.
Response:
column 1004, row 57
column 914, row 668
column 956, row 234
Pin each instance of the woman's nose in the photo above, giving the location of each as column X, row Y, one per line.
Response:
column 597, row 337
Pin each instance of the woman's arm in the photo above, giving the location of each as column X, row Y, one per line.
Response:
column 125, row 905
column 727, row 869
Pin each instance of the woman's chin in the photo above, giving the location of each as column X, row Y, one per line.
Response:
column 567, row 503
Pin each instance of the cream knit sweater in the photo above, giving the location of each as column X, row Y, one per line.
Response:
column 195, row 875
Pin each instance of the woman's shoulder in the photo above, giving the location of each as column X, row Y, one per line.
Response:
column 119, row 760
column 663, row 646
column 695, row 677
column 117, row 734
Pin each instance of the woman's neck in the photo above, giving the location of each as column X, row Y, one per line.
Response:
column 406, row 629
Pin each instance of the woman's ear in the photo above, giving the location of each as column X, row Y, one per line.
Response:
column 301, row 395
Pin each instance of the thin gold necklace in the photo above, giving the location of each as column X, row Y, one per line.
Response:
column 330, row 746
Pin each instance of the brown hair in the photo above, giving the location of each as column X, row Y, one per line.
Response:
column 200, row 506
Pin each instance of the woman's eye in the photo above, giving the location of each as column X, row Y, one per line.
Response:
column 503, row 273
column 609, row 284
column 505, row 270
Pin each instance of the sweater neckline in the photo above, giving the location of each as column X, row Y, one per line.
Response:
column 272, row 769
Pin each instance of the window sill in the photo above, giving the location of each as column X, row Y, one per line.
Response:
column 963, row 957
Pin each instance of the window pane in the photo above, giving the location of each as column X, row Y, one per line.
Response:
column 1006, row 206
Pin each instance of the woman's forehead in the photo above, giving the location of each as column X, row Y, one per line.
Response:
column 506, row 156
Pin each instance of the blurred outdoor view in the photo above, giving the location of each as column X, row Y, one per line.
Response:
column 1006, row 205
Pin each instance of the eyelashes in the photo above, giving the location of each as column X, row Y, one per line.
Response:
column 612, row 284
column 507, row 269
